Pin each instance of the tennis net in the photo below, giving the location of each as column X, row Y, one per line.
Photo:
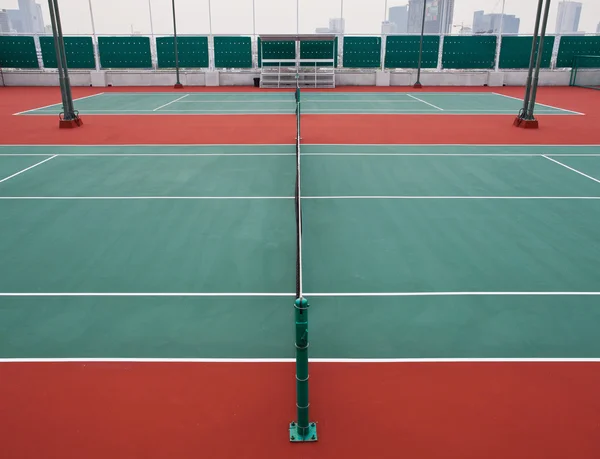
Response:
column 298, row 201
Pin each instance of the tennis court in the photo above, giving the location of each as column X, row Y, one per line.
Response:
column 314, row 102
column 427, row 251
column 147, row 290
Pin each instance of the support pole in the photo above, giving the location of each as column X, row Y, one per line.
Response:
column 525, row 119
column 532, row 59
column 499, row 40
column 69, row 118
column 302, row 430
column 178, row 84
column 418, row 83
column 341, row 37
column 536, row 75
column 94, row 38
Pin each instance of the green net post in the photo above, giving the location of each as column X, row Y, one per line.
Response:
column 302, row 430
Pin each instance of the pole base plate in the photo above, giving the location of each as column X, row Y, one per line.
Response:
column 297, row 437
column 70, row 124
column 526, row 124
column 178, row 86
column 417, row 86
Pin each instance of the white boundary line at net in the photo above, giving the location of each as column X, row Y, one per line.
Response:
column 292, row 360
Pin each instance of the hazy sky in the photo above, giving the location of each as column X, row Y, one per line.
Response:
column 273, row 16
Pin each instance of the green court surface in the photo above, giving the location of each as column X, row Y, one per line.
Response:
column 409, row 251
column 148, row 103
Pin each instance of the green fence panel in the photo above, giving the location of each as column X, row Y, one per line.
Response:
column 233, row 52
column 125, row 52
column 362, row 52
column 403, row 52
column 18, row 52
column 79, row 50
column 571, row 46
column 320, row 49
column 275, row 50
column 516, row 51
column 192, row 52
column 469, row 52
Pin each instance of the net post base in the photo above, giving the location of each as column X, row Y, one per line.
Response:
column 526, row 124
column 417, row 85
column 310, row 436
column 178, row 86
column 70, row 124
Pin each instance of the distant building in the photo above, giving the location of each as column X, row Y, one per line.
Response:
column 398, row 16
column 387, row 27
column 491, row 23
column 28, row 18
column 5, row 25
column 598, row 28
column 337, row 25
column 567, row 19
column 439, row 15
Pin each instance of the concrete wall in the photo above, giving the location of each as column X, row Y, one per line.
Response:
column 547, row 77
column 37, row 78
column 343, row 78
column 237, row 78
column 355, row 79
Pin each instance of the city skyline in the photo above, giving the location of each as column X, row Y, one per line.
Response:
column 276, row 16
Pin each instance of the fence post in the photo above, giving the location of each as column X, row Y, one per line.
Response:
column 440, row 53
column 555, row 50
column 38, row 50
column 94, row 38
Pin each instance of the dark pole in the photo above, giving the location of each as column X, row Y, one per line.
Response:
column 536, row 76
column 69, row 117
column 59, row 67
column 178, row 83
column 531, row 60
column 418, row 83
column 63, row 57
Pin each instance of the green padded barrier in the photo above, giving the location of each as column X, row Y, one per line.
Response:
column 320, row 49
column 276, row 50
column 362, row 52
column 125, row 52
column 469, row 52
column 192, row 52
column 403, row 52
column 79, row 50
column 233, row 52
column 18, row 52
column 516, row 51
column 571, row 46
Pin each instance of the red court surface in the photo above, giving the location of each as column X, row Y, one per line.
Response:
column 476, row 409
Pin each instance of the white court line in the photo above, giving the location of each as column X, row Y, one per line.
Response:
column 25, row 170
column 291, row 360
column 315, row 295
column 571, row 169
column 287, row 101
column 291, row 145
column 541, row 105
column 180, row 155
column 160, row 154
column 306, row 111
column 140, row 198
column 59, row 103
column 87, row 97
column 208, row 198
column 169, row 103
column 421, row 100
